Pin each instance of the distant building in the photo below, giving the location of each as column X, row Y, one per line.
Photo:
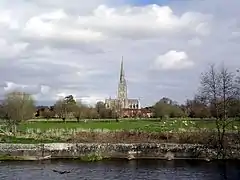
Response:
column 122, row 101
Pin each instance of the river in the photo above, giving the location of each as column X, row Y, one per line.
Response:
column 120, row 170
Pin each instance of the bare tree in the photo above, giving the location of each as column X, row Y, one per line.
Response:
column 64, row 108
column 197, row 109
column 19, row 106
column 91, row 113
column 61, row 109
column 116, row 110
column 218, row 88
column 102, row 111
column 80, row 111
column 47, row 113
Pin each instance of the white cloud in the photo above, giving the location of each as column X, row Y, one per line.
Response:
column 173, row 60
column 32, row 89
column 9, row 50
column 92, row 99
column 89, row 100
column 6, row 18
column 140, row 22
column 51, row 48
column 105, row 22
column 58, row 25
column 45, row 89
column 10, row 86
column 203, row 29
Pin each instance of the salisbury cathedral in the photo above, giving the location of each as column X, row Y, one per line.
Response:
column 122, row 99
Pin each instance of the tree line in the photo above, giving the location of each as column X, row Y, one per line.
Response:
column 20, row 106
column 69, row 108
column 165, row 108
column 194, row 108
column 218, row 97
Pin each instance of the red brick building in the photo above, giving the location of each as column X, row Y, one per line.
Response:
column 137, row 113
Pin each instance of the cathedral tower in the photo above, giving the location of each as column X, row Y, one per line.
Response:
column 123, row 102
column 122, row 87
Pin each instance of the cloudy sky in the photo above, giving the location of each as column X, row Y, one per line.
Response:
column 52, row 48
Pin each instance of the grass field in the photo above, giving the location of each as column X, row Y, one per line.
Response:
column 140, row 125
column 173, row 130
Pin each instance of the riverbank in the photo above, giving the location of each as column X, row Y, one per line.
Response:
column 100, row 151
column 203, row 137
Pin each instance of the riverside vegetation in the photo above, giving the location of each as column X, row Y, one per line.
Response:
column 218, row 101
column 174, row 131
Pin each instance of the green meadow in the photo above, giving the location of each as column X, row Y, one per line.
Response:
column 102, row 130
column 126, row 125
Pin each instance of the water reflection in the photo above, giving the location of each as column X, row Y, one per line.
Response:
column 120, row 170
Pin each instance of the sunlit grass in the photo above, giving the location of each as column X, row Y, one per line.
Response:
column 59, row 131
column 138, row 125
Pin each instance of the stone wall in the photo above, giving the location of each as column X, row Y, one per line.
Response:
column 128, row 151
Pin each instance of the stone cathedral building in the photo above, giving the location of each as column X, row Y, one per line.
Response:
column 125, row 103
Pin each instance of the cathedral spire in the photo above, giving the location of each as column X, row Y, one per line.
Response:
column 122, row 72
column 122, row 86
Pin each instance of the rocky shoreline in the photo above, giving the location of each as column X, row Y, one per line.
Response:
column 99, row 151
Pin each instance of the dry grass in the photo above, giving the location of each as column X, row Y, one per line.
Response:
column 198, row 137
column 202, row 136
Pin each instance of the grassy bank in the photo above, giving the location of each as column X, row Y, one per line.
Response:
column 177, row 131
column 191, row 137
column 140, row 125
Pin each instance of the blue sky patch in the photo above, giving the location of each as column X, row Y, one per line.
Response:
column 146, row 2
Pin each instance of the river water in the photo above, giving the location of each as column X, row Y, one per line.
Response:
column 120, row 170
